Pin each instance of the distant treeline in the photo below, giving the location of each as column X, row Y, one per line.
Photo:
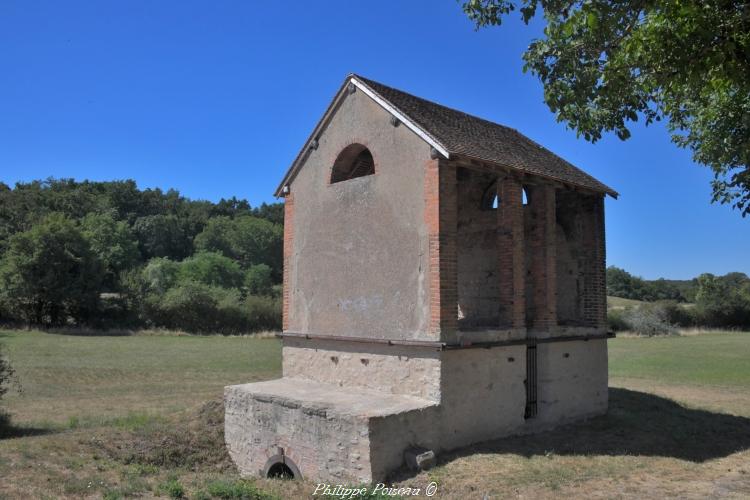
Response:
column 705, row 301
column 107, row 254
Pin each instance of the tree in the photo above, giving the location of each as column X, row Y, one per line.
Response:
column 258, row 280
column 113, row 242
column 723, row 300
column 213, row 269
column 605, row 63
column 160, row 274
column 49, row 273
column 162, row 236
column 247, row 239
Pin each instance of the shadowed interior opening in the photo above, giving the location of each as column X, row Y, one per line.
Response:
column 280, row 470
column 354, row 161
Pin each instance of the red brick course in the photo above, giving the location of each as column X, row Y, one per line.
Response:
column 510, row 248
column 440, row 220
column 288, row 237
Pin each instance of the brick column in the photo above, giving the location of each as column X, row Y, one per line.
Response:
column 287, row 263
column 594, row 281
column 441, row 219
column 544, row 257
column 510, row 248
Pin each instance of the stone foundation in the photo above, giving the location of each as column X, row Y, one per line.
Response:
column 332, row 426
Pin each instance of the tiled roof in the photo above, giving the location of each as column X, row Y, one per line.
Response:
column 461, row 134
column 467, row 135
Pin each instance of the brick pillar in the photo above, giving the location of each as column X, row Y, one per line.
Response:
column 441, row 219
column 288, row 235
column 544, row 257
column 595, row 281
column 510, row 249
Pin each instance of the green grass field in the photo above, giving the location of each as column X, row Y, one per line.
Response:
column 141, row 416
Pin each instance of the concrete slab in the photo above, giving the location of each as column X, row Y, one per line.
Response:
column 325, row 431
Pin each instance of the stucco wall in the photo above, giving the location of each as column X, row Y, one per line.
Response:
column 360, row 249
column 570, row 387
column 391, row 369
column 483, row 394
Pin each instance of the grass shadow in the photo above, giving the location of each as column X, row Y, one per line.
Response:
column 637, row 423
column 90, row 332
column 13, row 431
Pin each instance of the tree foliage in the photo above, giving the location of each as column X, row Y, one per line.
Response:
column 110, row 254
column 621, row 283
column 113, row 242
column 247, row 239
column 213, row 269
column 723, row 300
column 49, row 273
column 606, row 63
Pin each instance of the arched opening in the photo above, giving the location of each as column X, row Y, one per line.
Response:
column 354, row 160
column 280, row 470
column 281, row 467
column 490, row 199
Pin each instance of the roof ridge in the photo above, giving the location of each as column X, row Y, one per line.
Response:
column 452, row 131
column 433, row 103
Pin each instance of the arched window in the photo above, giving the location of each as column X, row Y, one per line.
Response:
column 490, row 199
column 354, row 161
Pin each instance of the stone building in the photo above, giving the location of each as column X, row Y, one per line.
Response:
column 444, row 284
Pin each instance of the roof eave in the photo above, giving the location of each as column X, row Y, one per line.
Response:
column 604, row 190
column 330, row 111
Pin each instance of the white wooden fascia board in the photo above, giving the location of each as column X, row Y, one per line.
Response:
column 412, row 126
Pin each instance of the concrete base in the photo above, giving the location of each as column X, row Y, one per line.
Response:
column 336, row 428
column 325, row 432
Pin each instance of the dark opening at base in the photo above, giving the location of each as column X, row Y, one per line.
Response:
column 280, row 471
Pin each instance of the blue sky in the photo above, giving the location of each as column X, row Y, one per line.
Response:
column 215, row 99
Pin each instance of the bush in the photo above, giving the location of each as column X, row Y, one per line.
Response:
column 213, row 269
column 160, row 274
column 263, row 313
column 195, row 307
column 172, row 488
column 679, row 315
column 649, row 320
column 616, row 320
column 259, row 280
column 199, row 308
column 7, row 376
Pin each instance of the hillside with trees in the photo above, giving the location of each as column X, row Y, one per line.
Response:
column 107, row 254
column 705, row 301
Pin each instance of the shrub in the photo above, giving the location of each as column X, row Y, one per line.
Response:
column 649, row 320
column 263, row 313
column 259, row 280
column 160, row 274
column 196, row 307
column 679, row 315
column 199, row 308
column 173, row 488
column 7, row 377
column 213, row 269
column 616, row 320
